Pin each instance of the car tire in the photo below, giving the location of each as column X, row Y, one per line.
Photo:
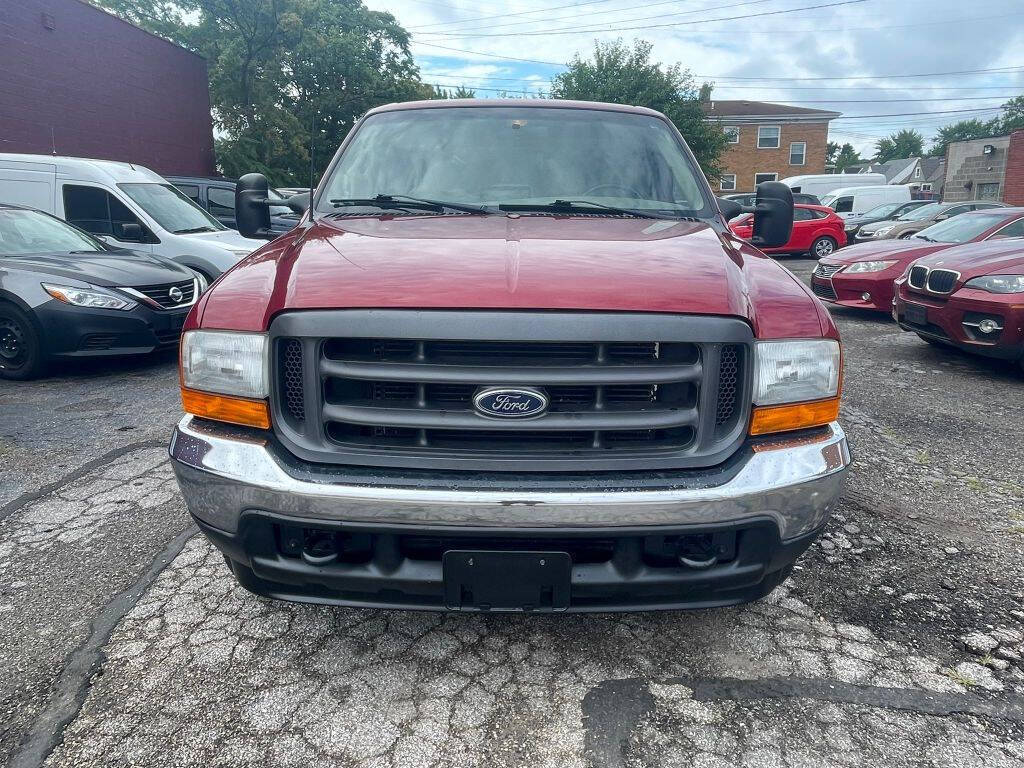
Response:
column 823, row 246
column 21, row 351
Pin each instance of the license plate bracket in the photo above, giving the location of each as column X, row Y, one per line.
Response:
column 506, row 581
column 915, row 314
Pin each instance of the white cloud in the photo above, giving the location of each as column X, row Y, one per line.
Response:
column 874, row 40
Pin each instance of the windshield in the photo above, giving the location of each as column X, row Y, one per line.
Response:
column 924, row 212
column 882, row 210
column 24, row 232
column 171, row 209
column 519, row 155
column 961, row 229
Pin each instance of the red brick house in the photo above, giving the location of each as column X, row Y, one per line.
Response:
column 79, row 81
column 768, row 142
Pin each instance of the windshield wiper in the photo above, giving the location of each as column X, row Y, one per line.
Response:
column 391, row 202
column 571, row 206
column 194, row 230
column 925, row 237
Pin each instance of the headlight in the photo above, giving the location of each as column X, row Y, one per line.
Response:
column 881, row 232
column 868, row 266
column 850, row 227
column 997, row 283
column 796, row 371
column 225, row 363
column 202, row 285
column 92, row 297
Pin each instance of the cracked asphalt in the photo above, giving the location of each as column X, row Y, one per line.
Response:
column 898, row 640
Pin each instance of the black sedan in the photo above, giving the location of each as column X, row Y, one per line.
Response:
column 64, row 294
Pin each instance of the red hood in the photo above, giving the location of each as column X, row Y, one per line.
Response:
column 975, row 259
column 904, row 251
column 506, row 262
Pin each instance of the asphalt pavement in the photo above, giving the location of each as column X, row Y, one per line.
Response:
column 897, row 641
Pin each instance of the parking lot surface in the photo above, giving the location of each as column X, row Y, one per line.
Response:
column 898, row 640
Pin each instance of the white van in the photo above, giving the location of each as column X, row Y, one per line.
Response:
column 125, row 205
column 853, row 201
column 821, row 184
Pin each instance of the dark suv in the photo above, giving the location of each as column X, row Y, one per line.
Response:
column 217, row 196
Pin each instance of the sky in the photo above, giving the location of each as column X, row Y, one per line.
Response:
column 884, row 64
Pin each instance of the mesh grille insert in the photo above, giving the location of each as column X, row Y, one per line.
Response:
column 728, row 384
column 291, row 378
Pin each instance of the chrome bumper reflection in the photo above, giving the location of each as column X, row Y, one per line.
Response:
column 795, row 482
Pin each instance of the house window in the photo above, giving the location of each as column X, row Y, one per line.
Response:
column 728, row 182
column 759, row 177
column 797, row 153
column 768, row 136
column 917, row 172
column 989, row 191
column 926, row 187
column 732, row 134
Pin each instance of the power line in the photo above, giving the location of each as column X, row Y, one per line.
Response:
column 458, row 32
column 584, row 30
column 526, row 13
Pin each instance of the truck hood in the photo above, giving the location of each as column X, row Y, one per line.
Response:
column 904, row 251
column 511, row 262
column 103, row 268
column 976, row 259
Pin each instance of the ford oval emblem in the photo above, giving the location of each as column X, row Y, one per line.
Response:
column 508, row 403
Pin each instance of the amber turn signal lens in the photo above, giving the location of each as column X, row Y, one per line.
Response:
column 786, row 418
column 234, row 410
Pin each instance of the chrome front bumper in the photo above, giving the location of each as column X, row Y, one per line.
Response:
column 223, row 473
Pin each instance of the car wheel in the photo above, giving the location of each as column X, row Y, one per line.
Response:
column 822, row 247
column 21, row 352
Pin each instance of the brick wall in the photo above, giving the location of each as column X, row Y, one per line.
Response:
column 968, row 167
column 83, row 82
column 745, row 159
column 1013, row 187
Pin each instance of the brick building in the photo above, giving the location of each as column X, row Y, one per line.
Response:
column 986, row 169
column 76, row 80
column 768, row 142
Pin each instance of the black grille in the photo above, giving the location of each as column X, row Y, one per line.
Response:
column 823, row 290
column 941, row 280
column 729, row 381
column 161, row 294
column 827, row 270
column 384, row 401
column 97, row 341
column 917, row 277
column 290, row 371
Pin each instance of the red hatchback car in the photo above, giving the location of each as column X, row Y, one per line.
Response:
column 862, row 275
column 971, row 297
column 817, row 230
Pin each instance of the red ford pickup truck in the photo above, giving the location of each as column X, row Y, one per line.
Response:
column 512, row 358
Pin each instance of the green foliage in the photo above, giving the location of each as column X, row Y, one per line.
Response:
column 841, row 157
column 453, row 93
column 624, row 74
column 904, row 143
column 280, row 67
column 1012, row 118
column 959, row 131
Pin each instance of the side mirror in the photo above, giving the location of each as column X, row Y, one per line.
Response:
column 131, row 232
column 773, row 215
column 729, row 208
column 942, row 217
column 252, row 208
column 298, row 203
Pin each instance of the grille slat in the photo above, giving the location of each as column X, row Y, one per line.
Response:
column 824, row 291
column 917, row 277
column 827, row 270
column 161, row 293
column 385, row 401
column 942, row 280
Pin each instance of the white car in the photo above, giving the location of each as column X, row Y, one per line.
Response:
column 127, row 206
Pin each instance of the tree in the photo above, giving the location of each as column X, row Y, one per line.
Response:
column 284, row 73
column 626, row 75
column 841, row 157
column 905, row 143
column 963, row 130
column 1012, row 117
